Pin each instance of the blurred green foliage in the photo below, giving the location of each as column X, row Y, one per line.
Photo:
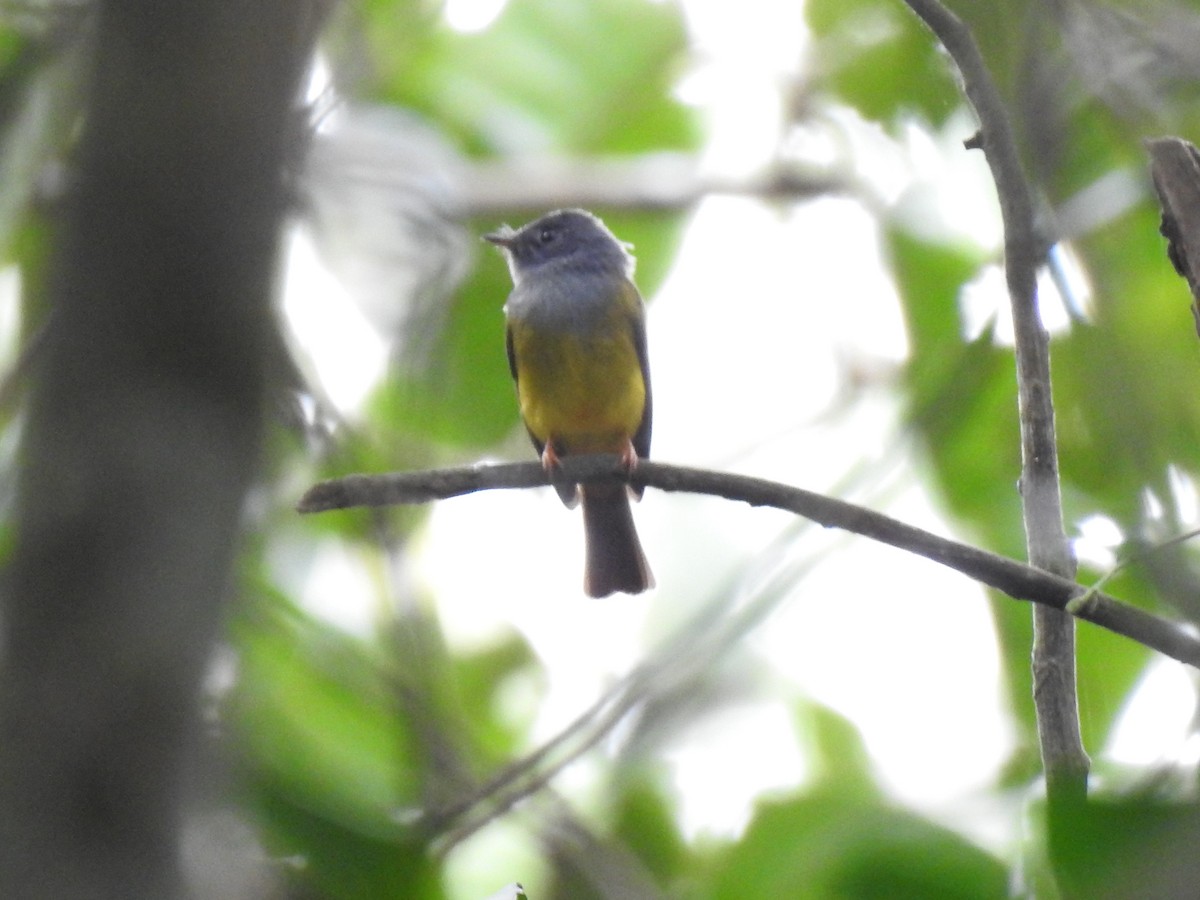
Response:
column 372, row 760
column 830, row 843
column 544, row 79
column 839, row 838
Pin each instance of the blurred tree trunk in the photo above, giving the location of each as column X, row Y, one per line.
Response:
column 142, row 438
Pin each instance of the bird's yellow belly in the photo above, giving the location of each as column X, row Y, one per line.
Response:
column 583, row 395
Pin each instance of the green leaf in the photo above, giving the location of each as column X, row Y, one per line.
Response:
column 1128, row 382
column 326, row 858
column 320, row 722
column 465, row 397
column 836, row 746
column 645, row 822
column 586, row 77
column 833, row 844
column 960, row 395
column 478, row 679
column 1118, row 847
column 875, row 56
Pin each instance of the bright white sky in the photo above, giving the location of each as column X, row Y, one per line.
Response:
column 749, row 339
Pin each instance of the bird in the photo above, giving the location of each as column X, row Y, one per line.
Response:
column 576, row 343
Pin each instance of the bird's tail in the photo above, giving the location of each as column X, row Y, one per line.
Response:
column 615, row 561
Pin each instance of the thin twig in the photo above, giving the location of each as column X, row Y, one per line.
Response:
column 535, row 772
column 674, row 668
column 1016, row 579
column 1063, row 757
column 1133, row 559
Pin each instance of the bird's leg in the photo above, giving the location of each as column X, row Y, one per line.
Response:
column 628, row 456
column 550, row 459
column 552, row 464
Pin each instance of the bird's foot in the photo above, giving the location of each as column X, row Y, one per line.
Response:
column 628, row 457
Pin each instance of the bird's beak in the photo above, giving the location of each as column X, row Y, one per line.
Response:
column 501, row 238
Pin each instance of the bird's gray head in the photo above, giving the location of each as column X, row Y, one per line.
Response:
column 571, row 237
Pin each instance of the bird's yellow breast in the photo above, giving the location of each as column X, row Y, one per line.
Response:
column 583, row 392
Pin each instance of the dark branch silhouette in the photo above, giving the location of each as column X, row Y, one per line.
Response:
column 1175, row 167
column 1018, row 580
column 142, row 436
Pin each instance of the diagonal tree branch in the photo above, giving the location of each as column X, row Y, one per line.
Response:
column 1063, row 757
column 1018, row 580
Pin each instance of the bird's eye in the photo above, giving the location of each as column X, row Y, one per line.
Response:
column 547, row 236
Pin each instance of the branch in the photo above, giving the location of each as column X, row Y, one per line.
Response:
column 1063, row 757
column 1175, row 167
column 374, row 149
column 1019, row 581
column 149, row 389
column 669, row 181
